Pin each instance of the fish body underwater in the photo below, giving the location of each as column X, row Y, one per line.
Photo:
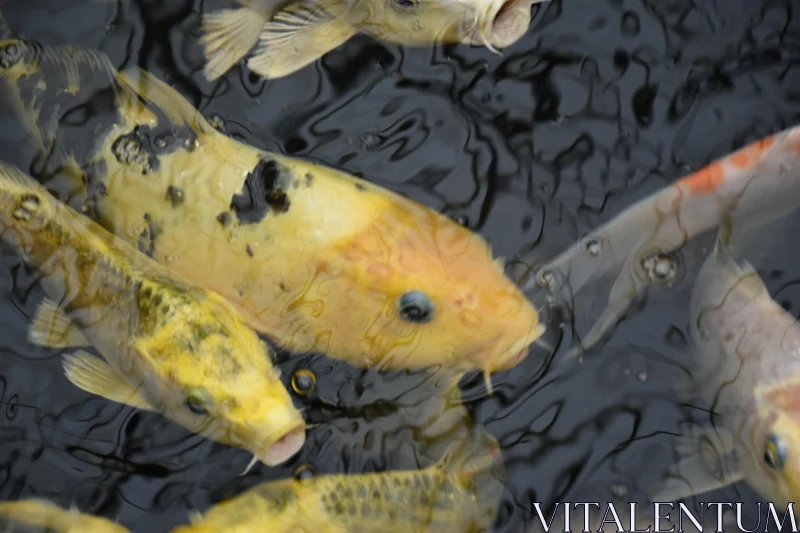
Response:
column 758, row 183
column 451, row 496
column 316, row 259
column 747, row 366
column 292, row 34
column 40, row 516
column 168, row 345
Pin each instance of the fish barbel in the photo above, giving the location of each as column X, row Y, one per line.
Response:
column 450, row 496
column 316, row 259
column 292, row 34
column 756, row 184
column 747, row 366
column 40, row 516
column 168, row 345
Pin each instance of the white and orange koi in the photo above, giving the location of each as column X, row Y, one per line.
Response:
column 755, row 185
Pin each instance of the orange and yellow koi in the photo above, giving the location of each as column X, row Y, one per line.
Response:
column 314, row 258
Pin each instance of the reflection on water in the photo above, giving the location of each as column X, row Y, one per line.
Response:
column 599, row 105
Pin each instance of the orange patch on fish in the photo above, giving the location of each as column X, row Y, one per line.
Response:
column 784, row 396
column 794, row 140
column 752, row 153
column 705, row 180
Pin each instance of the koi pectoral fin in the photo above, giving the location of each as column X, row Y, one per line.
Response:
column 709, row 463
column 228, row 35
column 296, row 37
column 95, row 376
column 52, row 328
column 626, row 288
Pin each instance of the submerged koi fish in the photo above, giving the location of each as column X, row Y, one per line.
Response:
column 450, row 496
column 748, row 369
column 169, row 346
column 294, row 33
column 314, row 258
column 756, row 184
column 36, row 515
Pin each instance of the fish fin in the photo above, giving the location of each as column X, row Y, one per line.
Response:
column 228, row 35
column 95, row 376
column 51, row 327
column 709, row 463
column 297, row 36
column 19, row 179
column 623, row 292
column 158, row 93
column 71, row 58
column 467, row 457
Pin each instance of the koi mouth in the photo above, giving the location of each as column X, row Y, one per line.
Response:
column 285, row 447
column 510, row 23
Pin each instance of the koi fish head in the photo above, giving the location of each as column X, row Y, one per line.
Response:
column 214, row 375
column 416, row 289
column 776, row 448
column 490, row 23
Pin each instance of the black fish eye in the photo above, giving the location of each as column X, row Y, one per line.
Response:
column 196, row 401
column 775, row 452
column 415, row 307
column 404, row 3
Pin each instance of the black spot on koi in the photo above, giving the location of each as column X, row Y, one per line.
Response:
column 263, row 189
column 224, row 219
column 143, row 145
column 174, row 195
column 147, row 239
column 12, row 52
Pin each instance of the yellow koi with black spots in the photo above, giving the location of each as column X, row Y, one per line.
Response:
column 316, row 259
column 168, row 345
column 452, row 496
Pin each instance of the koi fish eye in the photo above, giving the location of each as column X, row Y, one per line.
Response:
column 197, row 400
column 415, row 307
column 406, row 4
column 775, row 452
column 303, row 382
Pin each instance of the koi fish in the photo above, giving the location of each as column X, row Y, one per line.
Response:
column 168, row 345
column 315, row 259
column 449, row 496
column 292, row 34
column 35, row 515
column 756, row 184
column 747, row 366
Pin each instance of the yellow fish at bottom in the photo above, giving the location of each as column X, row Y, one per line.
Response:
column 45, row 517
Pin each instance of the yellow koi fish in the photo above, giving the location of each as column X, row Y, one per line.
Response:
column 46, row 517
column 450, row 496
column 292, row 34
column 169, row 346
column 756, row 184
column 747, row 366
column 316, row 259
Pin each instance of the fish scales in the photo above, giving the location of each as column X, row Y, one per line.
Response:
column 41, row 516
column 289, row 242
column 444, row 497
column 167, row 345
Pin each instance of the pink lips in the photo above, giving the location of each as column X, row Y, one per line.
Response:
column 287, row 446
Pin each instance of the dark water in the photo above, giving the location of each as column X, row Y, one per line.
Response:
column 600, row 104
